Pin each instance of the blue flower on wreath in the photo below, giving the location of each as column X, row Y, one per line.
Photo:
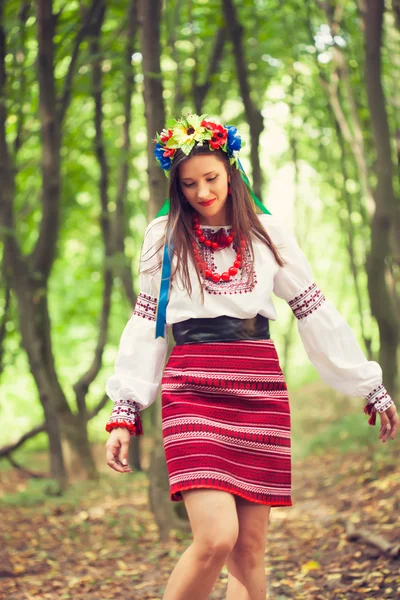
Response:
column 234, row 141
column 165, row 161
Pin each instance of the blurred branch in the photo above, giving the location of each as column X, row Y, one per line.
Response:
column 348, row 226
column 7, row 450
column 350, row 127
column 99, row 146
column 23, row 15
column 6, row 163
column 52, row 112
column 44, row 251
column 355, row 534
column 5, row 212
column 200, row 91
column 3, row 78
column 175, row 20
column 121, row 194
column 396, row 10
column 149, row 19
column 82, row 385
column 26, row 472
column 4, row 318
column 91, row 13
column 93, row 413
column 179, row 96
column 253, row 114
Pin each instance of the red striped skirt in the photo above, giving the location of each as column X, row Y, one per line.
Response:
column 226, row 420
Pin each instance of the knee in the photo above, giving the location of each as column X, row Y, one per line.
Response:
column 216, row 547
column 248, row 552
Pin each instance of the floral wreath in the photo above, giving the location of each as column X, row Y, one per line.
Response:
column 190, row 129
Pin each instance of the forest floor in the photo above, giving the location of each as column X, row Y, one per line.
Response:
column 99, row 541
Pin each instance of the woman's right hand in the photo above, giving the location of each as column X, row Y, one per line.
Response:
column 389, row 423
column 117, row 450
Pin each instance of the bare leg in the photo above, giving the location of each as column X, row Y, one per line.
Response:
column 214, row 523
column 246, row 563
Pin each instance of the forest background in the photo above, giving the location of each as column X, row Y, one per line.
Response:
column 313, row 87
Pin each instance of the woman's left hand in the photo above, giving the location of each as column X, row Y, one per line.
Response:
column 389, row 423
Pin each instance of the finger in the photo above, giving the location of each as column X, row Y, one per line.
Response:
column 112, row 450
column 118, row 467
column 124, row 452
column 384, row 424
column 125, row 468
column 113, row 461
column 395, row 428
column 386, row 429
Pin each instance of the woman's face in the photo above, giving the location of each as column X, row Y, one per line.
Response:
column 203, row 178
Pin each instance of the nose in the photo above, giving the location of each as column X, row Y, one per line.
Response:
column 203, row 192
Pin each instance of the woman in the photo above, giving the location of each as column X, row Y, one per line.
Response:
column 225, row 408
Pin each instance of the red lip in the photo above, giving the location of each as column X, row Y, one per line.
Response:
column 208, row 202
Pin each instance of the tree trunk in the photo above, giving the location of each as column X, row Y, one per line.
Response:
column 149, row 21
column 254, row 116
column 348, row 226
column 200, row 90
column 165, row 513
column 386, row 220
column 29, row 276
column 149, row 18
column 16, row 268
column 33, row 322
column 380, row 202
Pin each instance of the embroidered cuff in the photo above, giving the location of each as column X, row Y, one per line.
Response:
column 377, row 401
column 126, row 413
column 307, row 302
column 146, row 307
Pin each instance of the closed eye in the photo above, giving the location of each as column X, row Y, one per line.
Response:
column 191, row 184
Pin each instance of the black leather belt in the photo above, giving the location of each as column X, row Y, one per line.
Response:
column 221, row 329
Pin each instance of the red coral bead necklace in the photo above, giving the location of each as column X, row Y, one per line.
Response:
column 224, row 243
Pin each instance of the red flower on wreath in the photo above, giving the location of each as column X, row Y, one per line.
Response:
column 165, row 135
column 220, row 134
column 208, row 125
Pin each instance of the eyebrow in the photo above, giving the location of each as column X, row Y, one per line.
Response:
column 205, row 175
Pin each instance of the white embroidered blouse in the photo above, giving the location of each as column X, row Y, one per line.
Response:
column 328, row 340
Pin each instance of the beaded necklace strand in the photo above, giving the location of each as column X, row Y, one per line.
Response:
column 225, row 242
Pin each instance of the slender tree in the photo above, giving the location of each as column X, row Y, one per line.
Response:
column 150, row 12
column 253, row 114
column 29, row 275
column 385, row 239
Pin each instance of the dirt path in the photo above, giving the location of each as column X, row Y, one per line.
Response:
column 100, row 542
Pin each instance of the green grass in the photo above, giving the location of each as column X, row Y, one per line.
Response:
column 346, row 434
column 44, row 492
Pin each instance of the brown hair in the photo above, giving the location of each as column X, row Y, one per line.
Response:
column 242, row 209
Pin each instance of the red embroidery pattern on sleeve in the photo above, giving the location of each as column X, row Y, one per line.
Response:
column 125, row 413
column 379, row 398
column 307, row 302
column 377, row 401
column 146, row 307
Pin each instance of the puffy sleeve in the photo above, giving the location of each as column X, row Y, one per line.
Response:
column 328, row 340
column 140, row 358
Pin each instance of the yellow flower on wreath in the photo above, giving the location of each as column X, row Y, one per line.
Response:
column 187, row 131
